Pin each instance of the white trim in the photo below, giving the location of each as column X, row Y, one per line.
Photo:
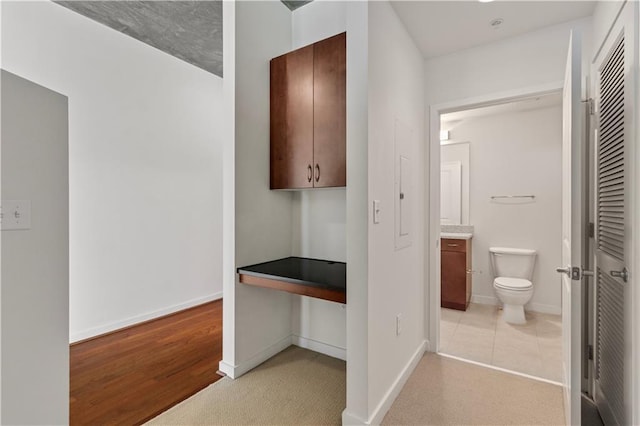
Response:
column 349, row 419
column 428, row 347
column 504, row 370
column 316, row 346
column 0, row 238
column 484, row 300
column 116, row 325
column 496, row 99
column 450, row 142
column 635, row 191
column 396, row 387
column 432, row 242
column 543, row 308
column 228, row 174
column 227, row 369
column 235, row 371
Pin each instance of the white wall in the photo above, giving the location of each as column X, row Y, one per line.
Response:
column 382, row 282
column 262, row 322
column 145, row 170
column 35, row 263
column 357, row 410
column 396, row 280
column 314, row 223
column 604, row 15
column 319, row 231
column 516, row 153
column 533, row 61
column 319, row 216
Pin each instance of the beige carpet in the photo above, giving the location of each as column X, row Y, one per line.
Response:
column 296, row 387
column 444, row 391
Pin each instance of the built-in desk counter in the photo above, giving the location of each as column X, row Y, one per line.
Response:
column 322, row 279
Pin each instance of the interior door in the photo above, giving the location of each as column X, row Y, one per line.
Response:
column 613, row 293
column 574, row 222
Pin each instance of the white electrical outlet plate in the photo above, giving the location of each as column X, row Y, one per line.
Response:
column 15, row 215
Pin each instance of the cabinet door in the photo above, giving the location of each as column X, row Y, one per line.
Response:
column 454, row 279
column 330, row 112
column 292, row 120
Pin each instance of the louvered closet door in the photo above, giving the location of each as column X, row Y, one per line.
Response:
column 613, row 233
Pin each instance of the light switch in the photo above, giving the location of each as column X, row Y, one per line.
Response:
column 15, row 214
column 376, row 211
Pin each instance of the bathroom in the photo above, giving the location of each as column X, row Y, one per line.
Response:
column 501, row 183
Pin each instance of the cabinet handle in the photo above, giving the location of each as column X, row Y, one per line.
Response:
column 317, row 172
column 452, row 245
column 309, row 173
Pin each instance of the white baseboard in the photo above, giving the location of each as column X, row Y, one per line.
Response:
column 116, row 325
column 428, row 347
column 533, row 307
column 323, row 348
column 543, row 308
column 349, row 419
column 393, row 392
column 235, row 371
column 484, row 300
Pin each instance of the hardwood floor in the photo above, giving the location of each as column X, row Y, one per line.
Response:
column 130, row 376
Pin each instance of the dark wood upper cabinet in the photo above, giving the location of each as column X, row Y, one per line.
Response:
column 330, row 111
column 292, row 120
column 308, row 116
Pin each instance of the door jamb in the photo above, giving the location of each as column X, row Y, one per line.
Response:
column 432, row 237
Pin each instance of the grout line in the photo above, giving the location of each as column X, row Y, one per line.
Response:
column 491, row 364
column 504, row 370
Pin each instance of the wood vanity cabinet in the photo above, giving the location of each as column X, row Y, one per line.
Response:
column 455, row 276
column 308, row 128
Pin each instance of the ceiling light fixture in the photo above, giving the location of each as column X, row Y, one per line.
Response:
column 485, row 1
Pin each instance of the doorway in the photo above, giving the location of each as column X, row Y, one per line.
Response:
column 500, row 186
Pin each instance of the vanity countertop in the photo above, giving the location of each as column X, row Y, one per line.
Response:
column 456, row 235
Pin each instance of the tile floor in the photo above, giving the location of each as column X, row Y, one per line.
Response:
column 480, row 334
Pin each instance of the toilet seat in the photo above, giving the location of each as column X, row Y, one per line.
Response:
column 514, row 284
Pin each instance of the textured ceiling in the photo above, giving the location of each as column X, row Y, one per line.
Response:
column 294, row 4
column 189, row 30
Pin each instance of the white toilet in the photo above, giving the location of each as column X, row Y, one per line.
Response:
column 513, row 269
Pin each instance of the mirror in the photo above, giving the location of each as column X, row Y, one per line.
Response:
column 454, row 183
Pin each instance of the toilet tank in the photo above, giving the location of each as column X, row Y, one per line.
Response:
column 512, row 262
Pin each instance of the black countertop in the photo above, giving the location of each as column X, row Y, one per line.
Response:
column 301, row 270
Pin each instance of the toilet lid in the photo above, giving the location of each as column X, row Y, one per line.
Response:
column 513, row 283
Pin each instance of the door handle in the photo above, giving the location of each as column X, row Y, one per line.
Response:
column 575, row 273
column 317, row 172
column 309, row 173
column 624, row 274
